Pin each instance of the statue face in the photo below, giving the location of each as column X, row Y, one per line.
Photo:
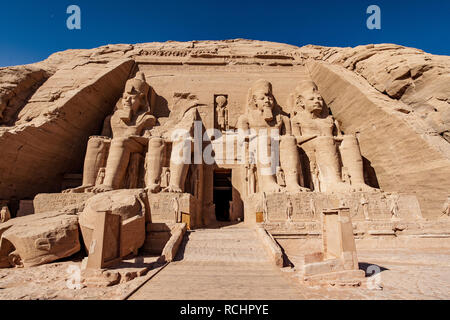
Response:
column 221, row 101
column 131, row 100
column 313, row 101
column 264, row 102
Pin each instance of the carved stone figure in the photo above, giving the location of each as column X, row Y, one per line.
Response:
column 265, row 209
column 393, row 206
column 176, row 209
column 250, row 171
column 315, row 176
column 222, row 113
column 259, row 120
column 165, row 177
column 176, row 131
column 365, row 206
column 289, row 210
column 5, row 215
column 130, row 119
column 312, row 206
column 280, row 177
column 100, row 176
column 317, row 132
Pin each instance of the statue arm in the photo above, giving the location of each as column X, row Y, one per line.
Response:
column 338, row 128
column 287, row 125
column 107, row 131
column 145, row 121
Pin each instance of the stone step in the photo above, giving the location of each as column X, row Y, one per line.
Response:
column 222, row 245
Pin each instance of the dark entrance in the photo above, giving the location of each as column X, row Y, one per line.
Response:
column 222, row 194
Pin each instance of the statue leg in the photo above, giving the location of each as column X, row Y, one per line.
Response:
column 96, row 155
column 178, row 166
column 352, row 159
column 268, row 180
column 116, row 166
column 327, row 159
column 154, row 163
column 290, row 163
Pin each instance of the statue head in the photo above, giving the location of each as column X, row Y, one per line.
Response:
column 260, row 98
column 221, row 101
column 135, row 95
column 307, row 97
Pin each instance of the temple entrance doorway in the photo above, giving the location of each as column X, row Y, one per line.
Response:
column 222, row 194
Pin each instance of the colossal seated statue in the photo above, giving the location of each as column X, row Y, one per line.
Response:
column 131, row 118
column 319, row 135
column 176, row 134
column 257, row 123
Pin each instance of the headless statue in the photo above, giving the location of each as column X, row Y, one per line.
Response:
column 260, row 120
column 128, row 123
column 177, row 131
column 319, row 135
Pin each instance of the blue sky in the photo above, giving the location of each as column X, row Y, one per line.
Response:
column 32, row 30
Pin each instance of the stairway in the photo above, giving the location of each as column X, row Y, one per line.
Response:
column 223, row 263
column 224, row 245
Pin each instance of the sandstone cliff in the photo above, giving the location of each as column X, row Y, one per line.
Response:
column 396, row 98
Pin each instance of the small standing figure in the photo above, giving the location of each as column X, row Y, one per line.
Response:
column 165, row 176
column 176, row 209
column 289, row 209
column 446, row 208
column 393, row 208
column 365, row 207
column 312, row 206
column 250, row 175
column 222, row 113
column 280, row 177
column 100, row 176
column 5, row 215
column 315, row 176
column 230, row 210
column 265, row 209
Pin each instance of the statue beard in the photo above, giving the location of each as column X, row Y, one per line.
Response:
column 267, row 113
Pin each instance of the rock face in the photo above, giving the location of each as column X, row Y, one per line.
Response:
column 395, row 99
column 49, row 136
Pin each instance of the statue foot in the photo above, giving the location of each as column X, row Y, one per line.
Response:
column 364, row 188
column 273, row 188
column 339, row 187
column 174, row 189
column 154, row 188
column 297, row 188
column 79, row 189
column 101, row 188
